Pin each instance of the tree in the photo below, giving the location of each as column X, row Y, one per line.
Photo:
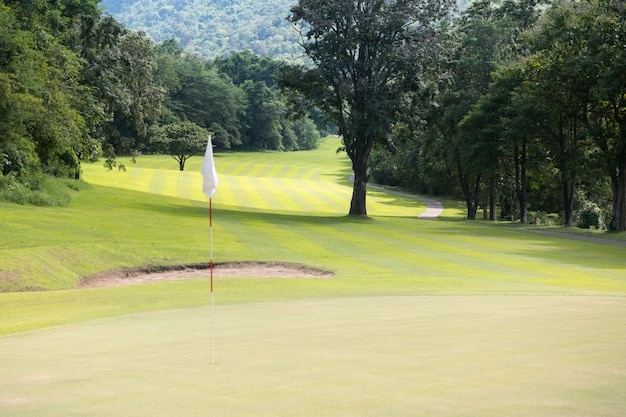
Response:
column 264, row 112
column 180, row 140
column 558, row 83
column 365, row 55
column 603, row 23
column 119, row 72
column 199, row 94
column 488, row 36
column 244, row 66
column 42, row 126
column 478, row 47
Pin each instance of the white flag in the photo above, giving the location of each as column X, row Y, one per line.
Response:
column 209, row 173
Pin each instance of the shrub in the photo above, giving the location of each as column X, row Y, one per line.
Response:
column 590, row 216
column 38, row 190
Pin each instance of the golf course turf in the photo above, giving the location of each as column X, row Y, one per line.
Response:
column 421, row 317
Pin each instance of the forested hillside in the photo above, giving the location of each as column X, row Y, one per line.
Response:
column 214, row 27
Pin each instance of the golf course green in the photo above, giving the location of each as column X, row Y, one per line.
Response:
column 420, row 317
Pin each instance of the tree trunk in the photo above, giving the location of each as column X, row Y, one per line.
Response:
column 359, row 159
column 568, row 199
column 359, row 192
column 618, row 185
column 523, row 188
column 493, row 198
column 520, row 181
column 471, row 194
column 181, row 162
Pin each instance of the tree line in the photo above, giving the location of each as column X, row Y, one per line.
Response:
column 517, row 106
column 76, row 85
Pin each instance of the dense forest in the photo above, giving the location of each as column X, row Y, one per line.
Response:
column 215, row 27
column 516, row 106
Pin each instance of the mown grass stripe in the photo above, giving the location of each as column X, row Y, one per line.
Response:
column 243, row 168
column 257, row 170
column 316, row 202
column 260, row 196
column 280, row 201
column 270, row 171
column 375, row 251
column 237, row 187
column 156, row 184
column 225, row 194
column 535, row 269
column 286, row 171
column 183, row 187
column 336, row 197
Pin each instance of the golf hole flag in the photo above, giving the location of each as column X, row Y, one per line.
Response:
column 209, row 173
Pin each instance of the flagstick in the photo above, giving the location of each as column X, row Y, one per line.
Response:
column 211, row 272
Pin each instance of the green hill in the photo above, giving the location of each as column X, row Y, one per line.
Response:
column 215, row 27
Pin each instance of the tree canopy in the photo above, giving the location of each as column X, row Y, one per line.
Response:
column 516, row 106
column 180, row 140
column 365, row 54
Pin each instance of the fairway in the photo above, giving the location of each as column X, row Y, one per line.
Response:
column 392, row 356
column 420, row 317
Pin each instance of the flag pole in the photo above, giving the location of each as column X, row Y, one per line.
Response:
column 211, row 273
column 209, row 186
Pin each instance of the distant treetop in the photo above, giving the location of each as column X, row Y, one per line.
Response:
column 215, row 27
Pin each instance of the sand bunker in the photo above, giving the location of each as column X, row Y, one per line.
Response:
column 230, row 269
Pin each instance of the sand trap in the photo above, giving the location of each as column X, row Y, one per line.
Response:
column 229, row 269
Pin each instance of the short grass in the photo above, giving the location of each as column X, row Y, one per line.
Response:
column 422, row 318
column 488, row 356
column 270, row 207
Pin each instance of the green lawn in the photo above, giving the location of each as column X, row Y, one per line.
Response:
column 488, row 356
column 423, row 317
column 269, row 207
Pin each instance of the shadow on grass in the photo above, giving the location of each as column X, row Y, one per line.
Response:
column 548, row 247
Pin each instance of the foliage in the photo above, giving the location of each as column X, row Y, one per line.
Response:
column 120, row 72
column 213, row 28
column 528, row 108
column 590, row 216
column 71, row 82
column 197, row 93
column 365, row 55
column 38, row 190
column 233, row 97
column 180, row 140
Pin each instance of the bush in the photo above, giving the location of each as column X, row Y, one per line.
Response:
column 541, row 218
column 590, row 216
column 38, row 190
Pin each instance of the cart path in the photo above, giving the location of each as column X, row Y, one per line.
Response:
column 433, row 210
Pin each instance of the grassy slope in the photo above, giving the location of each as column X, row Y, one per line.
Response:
column 270, row 206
